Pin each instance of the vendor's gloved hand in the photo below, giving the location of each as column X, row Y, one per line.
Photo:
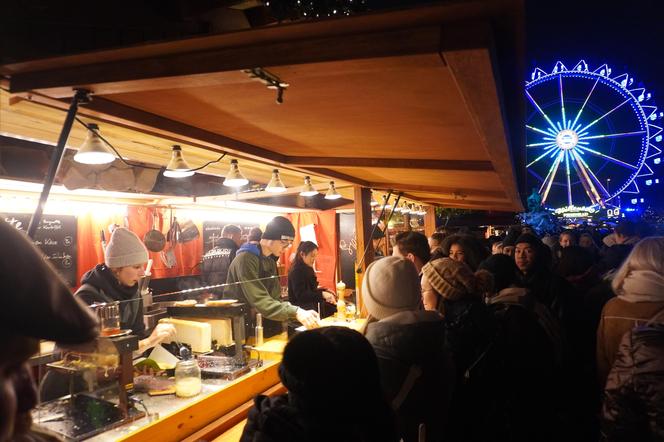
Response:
column 308, row 318
column 329, row 297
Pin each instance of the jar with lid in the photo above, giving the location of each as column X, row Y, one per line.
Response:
column 187, row 378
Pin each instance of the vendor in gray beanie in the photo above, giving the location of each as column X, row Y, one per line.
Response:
column 406, row 338
column 117, row 280
column 253, row 279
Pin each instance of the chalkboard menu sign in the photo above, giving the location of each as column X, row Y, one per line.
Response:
column 347, row 248
column 212, row 233
column 56, row 237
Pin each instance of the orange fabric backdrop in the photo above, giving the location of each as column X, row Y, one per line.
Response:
column 326, row 235
column 139, row 219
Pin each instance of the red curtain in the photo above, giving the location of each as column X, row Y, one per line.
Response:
column 326, row 235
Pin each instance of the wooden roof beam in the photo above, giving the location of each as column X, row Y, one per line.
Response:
column 438, row 189
column 389, row 163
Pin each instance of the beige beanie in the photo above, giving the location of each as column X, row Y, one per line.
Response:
column 390, row 285
column 454, row 280
column 125, row 249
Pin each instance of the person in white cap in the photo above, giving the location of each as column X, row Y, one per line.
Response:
column 117, row 280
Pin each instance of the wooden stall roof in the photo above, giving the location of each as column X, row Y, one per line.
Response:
column 409, row 100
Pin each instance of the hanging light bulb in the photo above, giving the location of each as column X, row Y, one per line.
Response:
column 308, row 189
column 178, row 167
column 386, row 203
column 332, row 193
column 234, row 177
column 421, row 211
column 373, row 202
column 405, row 208
column 275, row 185
column 93, row 150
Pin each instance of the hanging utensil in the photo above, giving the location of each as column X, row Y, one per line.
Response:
column 154, row 240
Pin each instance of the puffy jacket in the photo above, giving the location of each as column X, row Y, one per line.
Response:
column 634, row 396
column 417, row 374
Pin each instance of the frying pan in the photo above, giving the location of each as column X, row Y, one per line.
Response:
column 154, row 240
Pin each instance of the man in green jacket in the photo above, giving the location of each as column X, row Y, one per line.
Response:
column 253, row 278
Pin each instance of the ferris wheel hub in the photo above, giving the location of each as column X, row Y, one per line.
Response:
column 567, row 139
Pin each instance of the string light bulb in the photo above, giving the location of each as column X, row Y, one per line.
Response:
column 275, row 185
column 234, row 177
column 386, row 203
column 178, row 167
column 94, row 150
column 308, row 189
column 332, row 193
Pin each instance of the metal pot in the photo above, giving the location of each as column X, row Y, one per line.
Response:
column 154, row 240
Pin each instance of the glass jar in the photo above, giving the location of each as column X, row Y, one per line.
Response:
column 187, row 378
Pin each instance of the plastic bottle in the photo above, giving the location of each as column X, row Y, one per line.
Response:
column 259, row 329
column 341, row 303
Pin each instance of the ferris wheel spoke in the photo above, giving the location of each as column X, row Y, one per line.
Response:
column 585, row 179
column 547, row 152
column 607, row 157
column 562, row 102
column 578, row 114
column 595, row 121
column 546, row 143
column 548, row 134
column 618, row 135
column 551, row 176
column 597, row 181
column 569, row 181
column 537, row 106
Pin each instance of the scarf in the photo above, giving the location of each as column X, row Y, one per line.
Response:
column 643, row 286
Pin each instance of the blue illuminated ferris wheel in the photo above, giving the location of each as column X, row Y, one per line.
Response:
column 590, row 136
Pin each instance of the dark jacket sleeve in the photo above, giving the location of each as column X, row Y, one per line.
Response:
column 302, row 285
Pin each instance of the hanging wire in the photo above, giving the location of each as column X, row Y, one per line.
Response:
column 382, row 212
column 141, row 165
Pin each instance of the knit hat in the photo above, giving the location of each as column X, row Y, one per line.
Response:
column 279, row 228
column 454, row 279
column 390, row 285
column 503, row 269
column 125, row 249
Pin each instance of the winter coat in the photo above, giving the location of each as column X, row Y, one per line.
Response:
column 618, row 317
column 100, row 285
column 634, row 395
column 276, row 419
column 415, row 369
column 253, row 279
column 303, row 288
column 216, row 263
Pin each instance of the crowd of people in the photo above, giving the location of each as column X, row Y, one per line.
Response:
column 512, row 338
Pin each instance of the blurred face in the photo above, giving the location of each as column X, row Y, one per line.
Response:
column 409, row 256
column 508, row 250
column 524, row 256
column 497, row 248
column 275, row 246
column 309, row 258
column 128, row 276
column 566, row 241
column 237, row 238
column 18, row 393
column 433, row 244
column 586, row 241
column 457, row 253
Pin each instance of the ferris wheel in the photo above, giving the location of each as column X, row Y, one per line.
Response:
column 590, row 136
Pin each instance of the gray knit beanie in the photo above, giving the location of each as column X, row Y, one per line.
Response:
column 390, row 285
column 125, row 249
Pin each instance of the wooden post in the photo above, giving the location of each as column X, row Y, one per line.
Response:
column 430, row 221
column 362, row 200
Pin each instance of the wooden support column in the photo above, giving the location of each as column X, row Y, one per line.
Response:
column 362, row 200
column 429, row 220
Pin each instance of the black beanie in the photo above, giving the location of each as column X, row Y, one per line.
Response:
column 530, row 239
column 279, row 228
column 503, row 269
